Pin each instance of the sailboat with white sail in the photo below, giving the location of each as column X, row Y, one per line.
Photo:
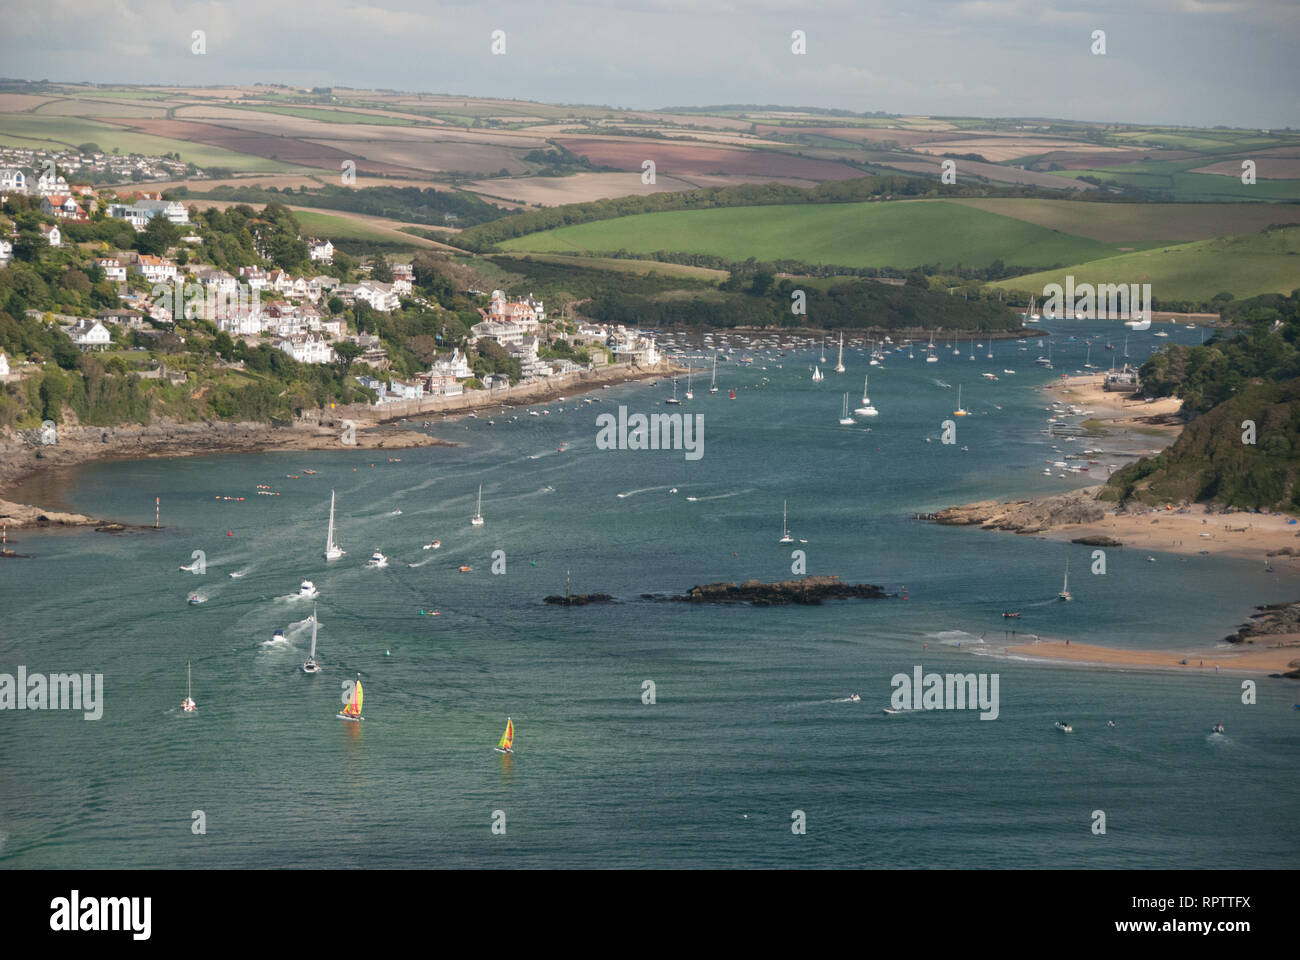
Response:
column 188, row 704
column 839, row 364
column 930, row 356
column 352, row 708
column 713, row 384
column 1065, row 587
column 690, row 394
column 818, row 376
column 310, row 665
column 845, row 419
column 477, row 519
column 332, row 550
column 785, row 530
column 866, row 410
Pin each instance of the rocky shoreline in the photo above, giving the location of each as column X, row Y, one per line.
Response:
column 1028, row 516
column 28, row 466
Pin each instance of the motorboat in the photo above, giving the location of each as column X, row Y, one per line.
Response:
column 308, row 589
column 1064, row 727
column 433, row 545
column 377, row 560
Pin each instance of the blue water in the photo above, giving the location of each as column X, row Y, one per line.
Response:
column 749, row 722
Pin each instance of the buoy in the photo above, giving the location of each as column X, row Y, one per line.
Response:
column 534, row 563
column 230, row 533
column 388, row 653
column 421, row 613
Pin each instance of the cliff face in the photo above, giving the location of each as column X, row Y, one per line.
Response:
column 1027, row 516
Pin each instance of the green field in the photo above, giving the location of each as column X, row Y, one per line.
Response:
column 899, row 234
column 340, row 228
column 54, row 132
column 1132, row 224
column 640, row 267
column 1244, row 266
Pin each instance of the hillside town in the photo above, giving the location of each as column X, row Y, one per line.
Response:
column 164, row 277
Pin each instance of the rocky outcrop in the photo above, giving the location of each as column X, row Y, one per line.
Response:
column 578, row 599
column 805, row 590
column 1027, row 516
column 1274, row 618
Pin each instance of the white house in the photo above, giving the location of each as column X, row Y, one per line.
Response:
column 49, row 184
column 155, row 269
column 379, row 295
column 12, row 180
column 52, row 235
column 89, row 334
column 321, row 250
column 142, row 211
column 309, row 349
column 455, row 366
column 503, row 332
column 406, row 391
column 113, row 268
column 6, row 251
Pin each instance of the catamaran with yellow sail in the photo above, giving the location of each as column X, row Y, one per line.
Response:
column 506, row 744
column 353, row 709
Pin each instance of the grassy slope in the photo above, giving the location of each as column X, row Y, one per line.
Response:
column 898, row 234
column 1245, row 265
column 1134, row 224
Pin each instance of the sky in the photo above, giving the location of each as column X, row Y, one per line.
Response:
column 1182, row 62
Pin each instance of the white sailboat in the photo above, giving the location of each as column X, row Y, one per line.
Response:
column 846, row 420
column 310, row 665
column 332, row 550
column 690, row 394
column 188, row 704
column 713, row 385
column 866, row 410
column 818, row 376
column 477, row 519
column 673, row 399
column 1065, row 587
column 930, row 357
column 839, row 364
column 960, row 411
column 785, row 530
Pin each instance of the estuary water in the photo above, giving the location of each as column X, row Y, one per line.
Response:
column 749, row 721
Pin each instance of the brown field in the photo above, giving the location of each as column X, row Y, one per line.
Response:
column 684, row 160
column 429, row 155
column 1001, row 149
column 1266, row 168
column 18, row 102
column 854, row 134
column 294, row 181
column 283, row 149
column 377, row 224
column 990, row 171
column 584, row 187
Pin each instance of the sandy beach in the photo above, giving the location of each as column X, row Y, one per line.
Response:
column 1272, row 654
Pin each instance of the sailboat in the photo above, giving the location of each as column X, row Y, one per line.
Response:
column 507, row 742
column 785, row 530
column 989, row 355
column 1029, row 315
column 839, row 364
column 823, row 349
column 188, row 704
column 846, row 420
column 971, row 351
column 310, row 665
column 1065, row 587
column 332, row 550
column 477, row 519
column 673, row 399
column 930, row 357
column 713, row 384
column 818, row 376
column 353, row 709
column 960, row 411
column 690, row 394
column 866, row 410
